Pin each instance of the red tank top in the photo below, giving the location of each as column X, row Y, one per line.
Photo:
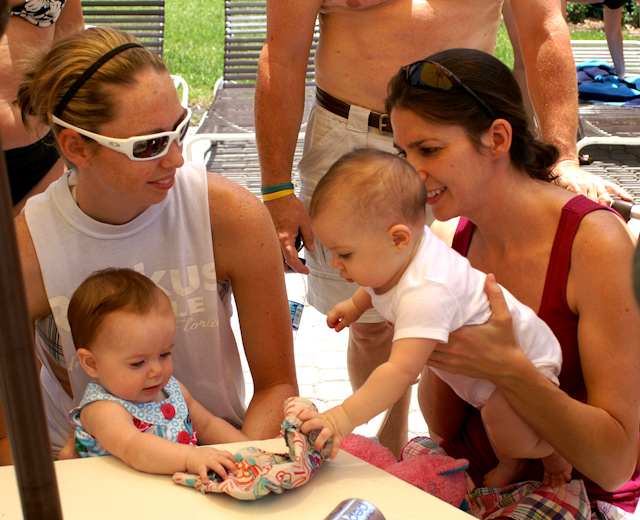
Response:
column 472, row 442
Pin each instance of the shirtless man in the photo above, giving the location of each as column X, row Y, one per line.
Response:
column 362, row 44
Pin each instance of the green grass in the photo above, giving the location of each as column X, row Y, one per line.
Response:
column 504, row 50
column 590, row 35
column 194, row 44
column 598, row 35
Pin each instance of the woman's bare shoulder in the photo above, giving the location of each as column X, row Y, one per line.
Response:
column 231, row 204
column 242, row 229
column 601, row 256
column 601, row 230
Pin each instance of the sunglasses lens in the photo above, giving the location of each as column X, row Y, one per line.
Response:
column 150, row 147
column 435, row 77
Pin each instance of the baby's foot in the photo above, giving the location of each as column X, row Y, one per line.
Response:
column 505, row 474
column 557, row 471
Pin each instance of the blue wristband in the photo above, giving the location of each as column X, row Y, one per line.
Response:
column 265, row 190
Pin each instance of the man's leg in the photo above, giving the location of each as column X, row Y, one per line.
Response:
column 613, row 32
column 370, row 346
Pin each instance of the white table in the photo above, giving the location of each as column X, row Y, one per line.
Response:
column 104, row 487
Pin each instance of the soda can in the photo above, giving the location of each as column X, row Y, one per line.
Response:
column 355, row 509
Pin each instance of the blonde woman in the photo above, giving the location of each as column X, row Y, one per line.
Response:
column 131, row 201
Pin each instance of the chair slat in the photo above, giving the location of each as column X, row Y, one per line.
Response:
column 121, row 3
column 144, row 19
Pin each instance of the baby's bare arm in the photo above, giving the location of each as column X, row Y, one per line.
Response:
column 112, row 426
column 348, row 311
column 381, row 390
column 389, row 381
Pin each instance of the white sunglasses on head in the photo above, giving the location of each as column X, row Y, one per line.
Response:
column 139, row 147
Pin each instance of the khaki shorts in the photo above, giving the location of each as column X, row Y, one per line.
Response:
column 328, row 138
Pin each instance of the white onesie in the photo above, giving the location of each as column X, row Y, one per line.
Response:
column 440, row 292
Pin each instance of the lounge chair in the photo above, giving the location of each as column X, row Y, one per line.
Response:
column 608, row 124
column 611, row 134
column 144, row 19
column 227, row 130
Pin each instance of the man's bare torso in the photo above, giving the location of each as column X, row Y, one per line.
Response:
column 363, row 43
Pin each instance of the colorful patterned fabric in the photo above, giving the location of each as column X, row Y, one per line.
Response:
column 260, row 472
column 168, row 419
column 525, row 500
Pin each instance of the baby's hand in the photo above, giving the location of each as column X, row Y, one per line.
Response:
column 334, row 424
column 343, row 315
column 201, row 460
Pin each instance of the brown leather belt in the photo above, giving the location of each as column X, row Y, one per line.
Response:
column 340, row 108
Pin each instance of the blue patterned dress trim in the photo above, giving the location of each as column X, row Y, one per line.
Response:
column 168, row 419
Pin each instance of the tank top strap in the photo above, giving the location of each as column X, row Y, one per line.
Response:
column 462, row 236
column 555, row 287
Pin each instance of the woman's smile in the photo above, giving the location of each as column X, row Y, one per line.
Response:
column 435, row 195
column 166, row 183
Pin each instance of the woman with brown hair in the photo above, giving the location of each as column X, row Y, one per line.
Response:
column 459, row 119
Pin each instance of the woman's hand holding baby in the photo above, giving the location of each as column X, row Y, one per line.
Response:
column 334, row 424
column 201, row 460
column 487, row 351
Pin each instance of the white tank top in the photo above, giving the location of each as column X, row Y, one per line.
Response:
column 171, row 243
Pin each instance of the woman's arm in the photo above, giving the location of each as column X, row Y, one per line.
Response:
column 599, row 438
column 211, row 429
column 600, row 290
column 246, row 250
column 36, row 301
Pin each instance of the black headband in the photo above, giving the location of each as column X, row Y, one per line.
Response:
column 88, row 73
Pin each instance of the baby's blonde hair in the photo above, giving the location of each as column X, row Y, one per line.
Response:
column 380, row 187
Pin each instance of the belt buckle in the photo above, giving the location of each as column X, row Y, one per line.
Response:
column 382, row 124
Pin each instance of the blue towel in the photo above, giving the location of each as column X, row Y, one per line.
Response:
column 598, row 83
